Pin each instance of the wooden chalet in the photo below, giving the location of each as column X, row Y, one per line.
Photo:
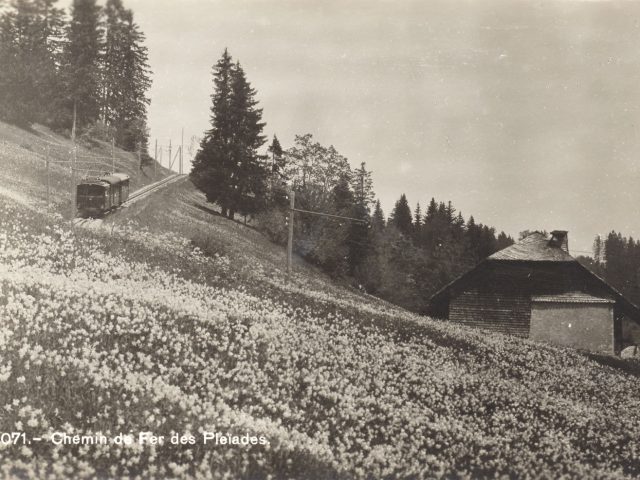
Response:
column 536, row 289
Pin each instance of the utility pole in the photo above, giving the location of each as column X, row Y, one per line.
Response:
column 48, row 175
column 113, row 155
column 292, row 206
column 181, row 150
column 292, row 210
column 155, row 163
column 73, row 163
column 170, row 161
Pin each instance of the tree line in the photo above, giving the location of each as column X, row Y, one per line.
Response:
column 90, row 63
column 404, row 258
column 616, row 258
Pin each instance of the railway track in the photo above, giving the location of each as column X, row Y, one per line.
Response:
column 133, row 198
column 144, row 191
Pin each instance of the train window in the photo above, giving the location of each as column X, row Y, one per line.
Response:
column 95, row 190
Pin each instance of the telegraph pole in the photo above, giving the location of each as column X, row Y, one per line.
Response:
column 292, row 206
column 113, row 156
column 73, row 163
column 155, row 163
column 181, row 150
column 170, row 161
column 292, row 210
column 48, row 179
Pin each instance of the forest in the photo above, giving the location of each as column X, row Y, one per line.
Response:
column 616, row 258
column 403, row 258
column 89, row 64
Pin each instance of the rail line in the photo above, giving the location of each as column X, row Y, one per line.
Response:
column 148, row 189
column 133, row 198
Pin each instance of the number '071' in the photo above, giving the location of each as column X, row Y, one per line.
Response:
column 13, row 438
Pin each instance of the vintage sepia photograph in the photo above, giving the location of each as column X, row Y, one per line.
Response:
column 319, row 239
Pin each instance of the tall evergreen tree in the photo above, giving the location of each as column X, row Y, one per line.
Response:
column 126, row 78
column 249, row 182
column 401, row 216
column 417, row 222
column 30, row 40
column 377, row 219
column 359, row 233
column 277, row 158
column 212, row 165
column 228, row 168
column 82, row 64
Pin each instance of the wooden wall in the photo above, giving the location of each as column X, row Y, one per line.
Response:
column 493, row 311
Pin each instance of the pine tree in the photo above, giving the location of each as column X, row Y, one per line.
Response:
column 359, row 233
column 81, row 65
column 212, row 169
column 277, row 158
column 30, row 39
column 377, row 219
column 401, row 216
column 126, row 78
column 227, row 168
column 250, row 179
column 417, row 222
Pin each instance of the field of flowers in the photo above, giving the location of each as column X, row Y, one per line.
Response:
column 171, row 319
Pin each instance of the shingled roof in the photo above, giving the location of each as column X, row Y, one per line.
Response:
column 535, row 247
column 539, row 247
column 570, row 297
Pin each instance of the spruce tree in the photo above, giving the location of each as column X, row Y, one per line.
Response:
column 82, row 64
column 30, row 39
column 417, row 221
column 401, row 216
column 212, row 169
column 359, row 233
column 377, row 219
column 228, row 168
column 277, row 158
column 250, row 175
column 126, row 78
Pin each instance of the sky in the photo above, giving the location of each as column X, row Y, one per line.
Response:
column 524, row 114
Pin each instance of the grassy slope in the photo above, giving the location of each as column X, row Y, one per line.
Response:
column 23, row 173
column 133, row 326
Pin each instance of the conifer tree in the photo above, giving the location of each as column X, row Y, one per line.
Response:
column 30, row 41
column 417, row 221
column 82, row 64
column 212, row 169
column 249, row 180
column 401, row 216
column 277, row 158
column 126, row 78
column 377, row 219
column 228, row 168
column 359, row 238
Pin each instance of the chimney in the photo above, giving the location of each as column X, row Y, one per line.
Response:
column 560, row 238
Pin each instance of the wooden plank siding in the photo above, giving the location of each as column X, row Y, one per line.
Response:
column 493, row 311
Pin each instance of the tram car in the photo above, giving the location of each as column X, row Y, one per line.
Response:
column 96, row 196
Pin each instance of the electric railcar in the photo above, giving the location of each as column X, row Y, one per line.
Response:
column 96, row 196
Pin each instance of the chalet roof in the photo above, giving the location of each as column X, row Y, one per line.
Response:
column 571, row 297
column 535, row 247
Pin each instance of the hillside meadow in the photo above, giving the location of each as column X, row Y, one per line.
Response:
column 170, row 319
